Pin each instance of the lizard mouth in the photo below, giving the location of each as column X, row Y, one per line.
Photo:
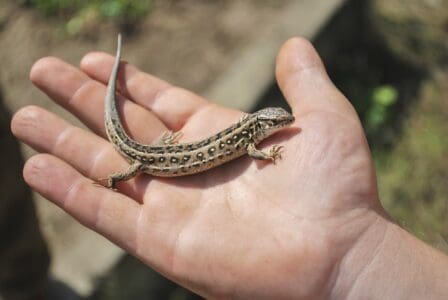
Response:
column 286, row 121
column 290, row 119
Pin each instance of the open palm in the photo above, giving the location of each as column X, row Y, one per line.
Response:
column 247, row 229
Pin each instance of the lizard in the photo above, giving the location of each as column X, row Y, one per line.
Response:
column 169, row 158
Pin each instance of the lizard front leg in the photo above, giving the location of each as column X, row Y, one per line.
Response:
column 169, row 138
column 274, row 152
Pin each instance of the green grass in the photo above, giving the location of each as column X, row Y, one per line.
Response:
column 413, row 174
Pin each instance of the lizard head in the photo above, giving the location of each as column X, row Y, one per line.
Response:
column 272, row 119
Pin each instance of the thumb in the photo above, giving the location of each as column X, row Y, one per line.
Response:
column 304, row 82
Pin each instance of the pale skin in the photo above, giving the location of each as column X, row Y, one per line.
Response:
column 309, row 227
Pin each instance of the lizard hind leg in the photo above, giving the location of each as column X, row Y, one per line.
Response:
column 112, row 179
column 169, row 138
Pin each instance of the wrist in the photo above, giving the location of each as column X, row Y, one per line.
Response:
column 387, row 262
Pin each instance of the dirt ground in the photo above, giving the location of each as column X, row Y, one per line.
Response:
column 171, row 43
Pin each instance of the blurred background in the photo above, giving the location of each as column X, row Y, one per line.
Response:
column 389, row 57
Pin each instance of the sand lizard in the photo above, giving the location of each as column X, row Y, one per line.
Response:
column 168, row 158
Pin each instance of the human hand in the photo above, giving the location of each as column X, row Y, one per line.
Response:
column 247, row 229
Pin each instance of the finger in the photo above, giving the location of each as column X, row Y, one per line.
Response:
column 91, row 155
column 84, row 97
column 179, row 109
column 304, row 82
column 111, row 214
column 173, row 105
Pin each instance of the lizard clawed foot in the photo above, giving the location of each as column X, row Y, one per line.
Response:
column 169, row 138
column 275, row 152
column 105, row 182
column 111, row 180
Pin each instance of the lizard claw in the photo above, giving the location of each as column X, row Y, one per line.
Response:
column 275, row 152
column 100, row 182
column 169, row 138
column 105, row 182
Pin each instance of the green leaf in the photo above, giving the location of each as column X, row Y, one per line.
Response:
column 385, row 95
